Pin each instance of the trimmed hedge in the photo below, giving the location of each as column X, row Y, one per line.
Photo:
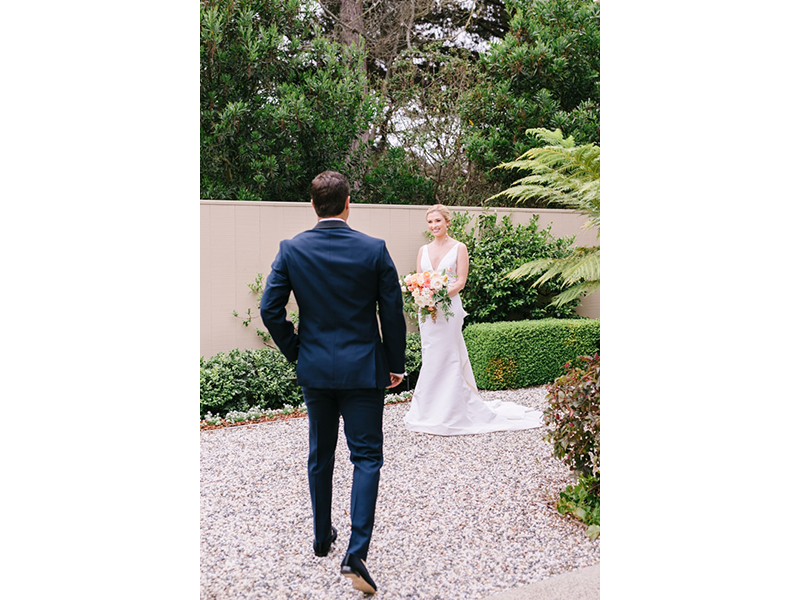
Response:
column 515, row 354
column 510, row 354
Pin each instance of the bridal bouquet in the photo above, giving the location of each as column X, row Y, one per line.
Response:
column 425, row 294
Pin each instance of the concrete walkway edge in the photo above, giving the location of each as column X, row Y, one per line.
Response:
column 582, row 584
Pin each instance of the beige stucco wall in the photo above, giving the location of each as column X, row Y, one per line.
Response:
column 238, row 240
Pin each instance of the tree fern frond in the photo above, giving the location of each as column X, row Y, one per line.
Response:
column 523, row 193
column 556, row 271
column 553, row 271
column 554, row 138
column 531, row 269
column 572, row 268
column 583, row 263
column 575, row 292
column 568, row 175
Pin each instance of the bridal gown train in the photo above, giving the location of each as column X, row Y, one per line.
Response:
column 446, row 400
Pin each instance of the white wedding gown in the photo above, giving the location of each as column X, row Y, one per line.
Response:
column 446, row 400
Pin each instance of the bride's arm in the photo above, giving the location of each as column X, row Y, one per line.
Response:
column 462, row 267
column 419, row 259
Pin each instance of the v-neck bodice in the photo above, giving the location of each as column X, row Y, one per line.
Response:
column 446, row 262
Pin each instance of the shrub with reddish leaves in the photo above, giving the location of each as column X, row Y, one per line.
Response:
column 573, row 416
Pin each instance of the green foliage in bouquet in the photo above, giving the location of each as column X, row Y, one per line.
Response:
column 497, row 248
column 509, row 355
column 426, row 284
column 241, row 379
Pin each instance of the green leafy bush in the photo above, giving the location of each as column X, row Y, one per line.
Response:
column 413, row 359
column 582, row 500
column 393, row 178
column 573, row 416
column 242, row 379
column 508, row 355
column 497, row 248
column 573, row 421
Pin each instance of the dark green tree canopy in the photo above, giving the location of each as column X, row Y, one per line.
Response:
column 544, row 74
column 278, row 102
column 415, row 101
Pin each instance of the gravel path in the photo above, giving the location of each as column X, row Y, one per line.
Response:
column 459, row 517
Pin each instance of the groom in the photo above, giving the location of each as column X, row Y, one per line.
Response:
column 338, row 277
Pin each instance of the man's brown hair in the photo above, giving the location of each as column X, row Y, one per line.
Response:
column 329, row 191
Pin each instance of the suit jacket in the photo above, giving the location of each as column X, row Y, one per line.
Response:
column 339, row 277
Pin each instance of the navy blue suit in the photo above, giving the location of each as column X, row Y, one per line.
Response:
column 339, row 278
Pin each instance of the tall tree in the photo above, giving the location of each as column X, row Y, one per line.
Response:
column 279, row 103
column 392, row 27
column 423, row 91
column 544, row 74
column 419, row 55
column 352, row 21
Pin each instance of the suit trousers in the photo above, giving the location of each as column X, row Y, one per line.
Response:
column 362, row 412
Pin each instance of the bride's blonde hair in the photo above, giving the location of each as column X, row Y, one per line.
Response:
column 442, row 209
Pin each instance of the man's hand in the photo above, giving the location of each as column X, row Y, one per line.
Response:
column 396, row 379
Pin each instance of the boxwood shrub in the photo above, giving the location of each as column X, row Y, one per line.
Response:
column 241, row 379
column 515, row 354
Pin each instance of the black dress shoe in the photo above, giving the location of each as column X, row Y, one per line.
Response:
column 325, row 547
column 354, row 568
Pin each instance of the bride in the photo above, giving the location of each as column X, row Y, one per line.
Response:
column 446, row 400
